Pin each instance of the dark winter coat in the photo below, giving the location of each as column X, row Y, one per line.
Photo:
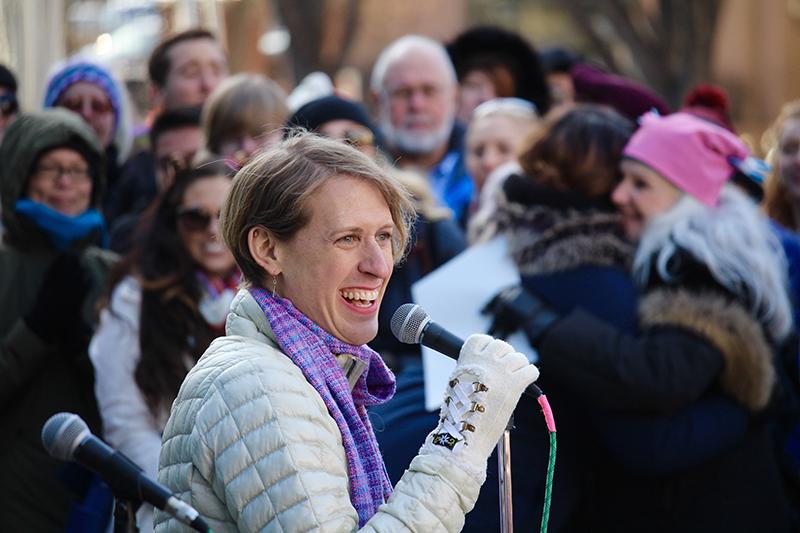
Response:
column 38, row 380
column 675, row 414
column 571, row 252
column 738, row 489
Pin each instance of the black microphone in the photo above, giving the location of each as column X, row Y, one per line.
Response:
column 66, row 436
column 412, row 325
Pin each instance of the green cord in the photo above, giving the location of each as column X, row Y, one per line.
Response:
column 548, row 484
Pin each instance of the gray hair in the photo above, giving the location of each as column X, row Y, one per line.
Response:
column 402, row 46
column 737, row 245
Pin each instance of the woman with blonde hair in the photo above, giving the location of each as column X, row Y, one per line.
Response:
column 436, row 236
column 244, row 113
column 499, row 130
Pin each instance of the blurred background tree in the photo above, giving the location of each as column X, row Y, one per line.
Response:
column 750, row 48
column 322, row 32
column 668, row 42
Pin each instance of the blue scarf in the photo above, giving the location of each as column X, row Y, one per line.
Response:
column 63, row 230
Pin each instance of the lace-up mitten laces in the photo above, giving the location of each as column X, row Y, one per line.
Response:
column 459, row 417
column 479, row 399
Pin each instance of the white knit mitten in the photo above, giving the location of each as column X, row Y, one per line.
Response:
column 479, row 400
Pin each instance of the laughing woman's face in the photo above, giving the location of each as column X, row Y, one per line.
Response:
column 335, row 269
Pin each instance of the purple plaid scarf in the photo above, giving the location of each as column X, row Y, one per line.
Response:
column 313, row 350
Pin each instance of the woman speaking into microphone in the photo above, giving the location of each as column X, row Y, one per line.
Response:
column 269, row 430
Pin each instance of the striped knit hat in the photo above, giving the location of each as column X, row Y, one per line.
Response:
column 83, row 71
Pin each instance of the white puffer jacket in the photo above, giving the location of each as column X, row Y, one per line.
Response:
column 251, row 446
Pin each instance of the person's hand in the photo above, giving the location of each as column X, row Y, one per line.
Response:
column 480, row 397
column 57, row 313
column 515, row 308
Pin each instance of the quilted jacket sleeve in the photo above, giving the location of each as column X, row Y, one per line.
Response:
column 250, row 460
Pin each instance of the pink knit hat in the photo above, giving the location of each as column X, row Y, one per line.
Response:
column 693, row 154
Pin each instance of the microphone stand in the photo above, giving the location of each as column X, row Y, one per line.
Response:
column 504, row 479
column 125, row 516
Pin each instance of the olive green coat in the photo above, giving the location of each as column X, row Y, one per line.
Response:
column 38, row 380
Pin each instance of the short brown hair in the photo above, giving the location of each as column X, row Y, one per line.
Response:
column 579, row 150
column 243, row 104
column 159, row 64
column 272, row 189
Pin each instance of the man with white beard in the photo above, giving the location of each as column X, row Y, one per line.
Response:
column 414, row 88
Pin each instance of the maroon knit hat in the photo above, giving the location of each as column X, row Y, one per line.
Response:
column 629, row 98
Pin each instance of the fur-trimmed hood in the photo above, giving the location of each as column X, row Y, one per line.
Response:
column 749, row 374
column 551, row 231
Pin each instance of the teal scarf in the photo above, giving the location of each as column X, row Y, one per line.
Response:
column 63, row 230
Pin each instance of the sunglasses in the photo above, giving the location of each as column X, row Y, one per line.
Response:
column 98, row 107
column 195, row 219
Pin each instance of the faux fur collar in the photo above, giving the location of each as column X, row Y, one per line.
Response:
column 749, row 374
column 550, row 231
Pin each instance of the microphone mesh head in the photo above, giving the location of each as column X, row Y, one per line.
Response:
column 408, row 323
column 62, row 433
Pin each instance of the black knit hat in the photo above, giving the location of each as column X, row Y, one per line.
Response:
column 7, row 79
column 317, row 112
column 558, row 59
column 485, row 46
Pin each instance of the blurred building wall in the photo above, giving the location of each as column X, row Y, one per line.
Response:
column 756, row 53
column 32, row 39
column 757, row 59
column 379, row 23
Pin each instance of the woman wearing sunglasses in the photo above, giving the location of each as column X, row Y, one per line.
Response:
column 169, row 299
column 91, row 91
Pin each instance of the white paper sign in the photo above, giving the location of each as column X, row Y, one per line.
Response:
column 453, row 296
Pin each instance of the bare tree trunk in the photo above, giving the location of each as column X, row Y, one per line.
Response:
column 321, row 32
column 670, row 45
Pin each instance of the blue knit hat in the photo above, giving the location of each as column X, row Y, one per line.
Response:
column 83, row 71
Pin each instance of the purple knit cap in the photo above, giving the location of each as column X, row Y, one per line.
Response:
column 691, row 153
column 83, row 71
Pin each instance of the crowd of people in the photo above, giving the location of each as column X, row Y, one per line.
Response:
column 213, row 296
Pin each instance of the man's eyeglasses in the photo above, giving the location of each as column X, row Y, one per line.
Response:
column 195, row 219
column 98, row 107
column 53, row 172
column 359, row 138
column 172, row 164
